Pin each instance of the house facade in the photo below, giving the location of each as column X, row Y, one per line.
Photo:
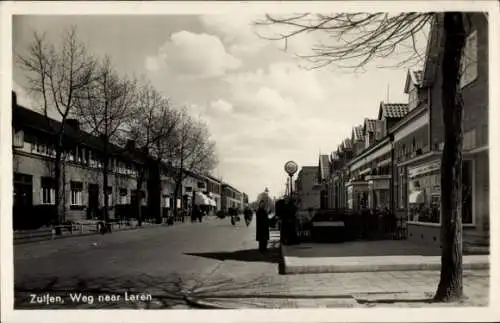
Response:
column 231, row 198
column 33, row 138
column 423, row 174
column 33, row 170
column 308, row 189
column 396, row 158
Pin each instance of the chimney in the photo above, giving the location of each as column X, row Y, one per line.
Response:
column 130, row 144
column 73, row 123
column 14, row 99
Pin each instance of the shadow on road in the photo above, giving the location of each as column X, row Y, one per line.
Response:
column 249, row 255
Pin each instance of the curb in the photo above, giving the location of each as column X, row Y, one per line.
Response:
column 49, row 238
column 204, row 305
column 290, row 269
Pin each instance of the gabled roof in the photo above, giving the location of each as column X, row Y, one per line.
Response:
column 324, row 166
column 433, row 52
column 347, row 144
column 392, row 110
column 413, row 78
column 357, row 133
column 369, row 125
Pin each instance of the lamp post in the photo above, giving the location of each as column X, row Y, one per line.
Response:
column 288, row 226
column 291, row 168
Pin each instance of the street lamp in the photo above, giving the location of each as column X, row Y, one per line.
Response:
column 291, row 168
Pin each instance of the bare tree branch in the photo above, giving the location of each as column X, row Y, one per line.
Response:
column 354, row 38
column 56, row 74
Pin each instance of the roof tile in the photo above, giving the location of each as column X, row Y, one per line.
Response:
column 394, row 110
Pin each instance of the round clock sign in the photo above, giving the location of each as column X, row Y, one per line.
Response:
column 291, row 167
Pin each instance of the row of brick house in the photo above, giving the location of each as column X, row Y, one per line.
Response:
column 34, row 185
column 393, row 161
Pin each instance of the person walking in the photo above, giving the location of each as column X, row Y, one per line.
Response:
column 262, row 221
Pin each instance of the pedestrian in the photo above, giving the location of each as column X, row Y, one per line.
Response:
column 262, row 219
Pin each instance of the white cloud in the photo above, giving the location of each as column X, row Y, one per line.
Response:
column 152, row 63
column 221, row 106
column 244, row 38
column 192, row 54
column 236, row 30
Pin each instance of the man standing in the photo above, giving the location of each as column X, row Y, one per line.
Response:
column 262, row 234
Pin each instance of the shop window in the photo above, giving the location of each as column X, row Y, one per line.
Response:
column 424, row 194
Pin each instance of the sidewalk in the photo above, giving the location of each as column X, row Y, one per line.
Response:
column 247, row 279
column 31, row 236
column 368, row 256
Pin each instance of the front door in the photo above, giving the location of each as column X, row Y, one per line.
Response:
column 22, row 200
column 93, row 201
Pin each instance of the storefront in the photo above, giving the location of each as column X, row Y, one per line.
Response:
column 423, row 204
column 378, row 191
column 357, row 195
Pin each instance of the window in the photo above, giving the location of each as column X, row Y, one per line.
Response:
column 48, row 190
column 18, row 138
column 424, row 193
column 79, row 155
column 468, row 68
column 428, row 182
column 109, row 194
column 123, row 196
column 76, row 193
column 166, row 201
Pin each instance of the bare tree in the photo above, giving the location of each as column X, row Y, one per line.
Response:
column 360, row 38
column 152, row 129
column 104, row 107
column 193, row 151
column 57, row 75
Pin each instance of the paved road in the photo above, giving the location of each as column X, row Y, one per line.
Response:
column 164, row 262
column 211, row 261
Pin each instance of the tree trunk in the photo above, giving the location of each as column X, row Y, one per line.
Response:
column 450, row 285
column 138, row 198
column 105, row 183
column 59, row 184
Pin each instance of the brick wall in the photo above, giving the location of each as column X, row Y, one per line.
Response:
column 475, row 94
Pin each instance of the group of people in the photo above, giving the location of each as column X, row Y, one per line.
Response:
column 197, row 213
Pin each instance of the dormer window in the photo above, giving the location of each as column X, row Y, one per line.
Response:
column 17, row 138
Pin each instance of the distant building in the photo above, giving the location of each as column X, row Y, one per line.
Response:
column 308, row 189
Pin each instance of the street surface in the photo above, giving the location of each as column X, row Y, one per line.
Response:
column 213, row 262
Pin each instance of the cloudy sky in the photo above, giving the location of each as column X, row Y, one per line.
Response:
column 263, row 108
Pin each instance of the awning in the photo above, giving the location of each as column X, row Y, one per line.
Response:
column 212, row 202
column 201, row 199
column 416, row 197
